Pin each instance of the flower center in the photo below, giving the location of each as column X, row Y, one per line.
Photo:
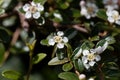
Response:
column 115, row 17
column 58, row 39
column 91, row 57
column 33, row 9
column 90, row 10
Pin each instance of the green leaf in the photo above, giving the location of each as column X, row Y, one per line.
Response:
column 100, row 43
column 44, row 42
column 40, row 1
column 2, row 50
column 102, row 14
column 78, row 65
column 76, row 13
column 95, row 38
column 68, row 76
column 67, row 67
column 110, row 40
column 87, row 45
column 12, row 75
column 56, row 61
column 39, row 57
column 4, row 35
column 2, row 11
column 69, row 50
column 76, row 53
column 1, row 1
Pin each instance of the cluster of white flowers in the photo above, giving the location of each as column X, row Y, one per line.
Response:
column 88, row 9
column 58, row 39
column 90, row 57
column 111, row 4
column 33, row 10
column 113, row 16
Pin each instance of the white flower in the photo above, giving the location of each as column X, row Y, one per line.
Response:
column 113, row 16
column 58, row 39
column 33, row 10
column 91, row 79
column 89, row 58
column 82, row 76
column 89, row 10
column 111, row 4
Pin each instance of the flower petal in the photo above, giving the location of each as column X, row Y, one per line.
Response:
column 85, row 52
column 87, row 66
column 60, row 33
column 91, row 63
column 28, row 14
column 39, row 7
column 26, row 7
column 97, row 58
column 65, row 39
column 51, row 42
column 60, row 45
column 84, row 59
column 111, row 19
column 33, row 3
column 36, row 15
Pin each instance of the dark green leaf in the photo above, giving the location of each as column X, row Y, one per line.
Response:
column 78, row 65
column 102, row 14
column 56, row 61
column 68, row 76
column 100, row 43
column 12, row 75
column 95, row 38
column 40, row 1
column 2, row 50
column 67, row 67
column 39, row 57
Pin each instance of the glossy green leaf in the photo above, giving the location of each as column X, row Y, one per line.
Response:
column 78, row 65
column 40, row 1
column 39, row 57
column 87, row 45
column 12, row 75
column 2, row 50
column 67, row 67
column 56, row 61
column 76, row 53
column 101, row 43
column 110, row 40
column 68, row 76
column 102, row 14
column 95, row 38
column 44, row 42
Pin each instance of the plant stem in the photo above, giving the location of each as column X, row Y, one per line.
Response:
column 30, row 65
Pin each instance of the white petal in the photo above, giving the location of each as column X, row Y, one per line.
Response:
column 28, row 14
column 36, row 15
column 118, row 22
column 60, row 45
column 87, row 66
column 26, row 7
column 91, row 63
column 65, row 39
column 82, row 76
column 85, row 52
column 84, row 59
column 97, row 58
column 51, row 42
column 60, row 33
column 109, row 12
column 33, row 3
column 99, row 50
column 111, row 20
column 114, row 12
column 40, row 7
